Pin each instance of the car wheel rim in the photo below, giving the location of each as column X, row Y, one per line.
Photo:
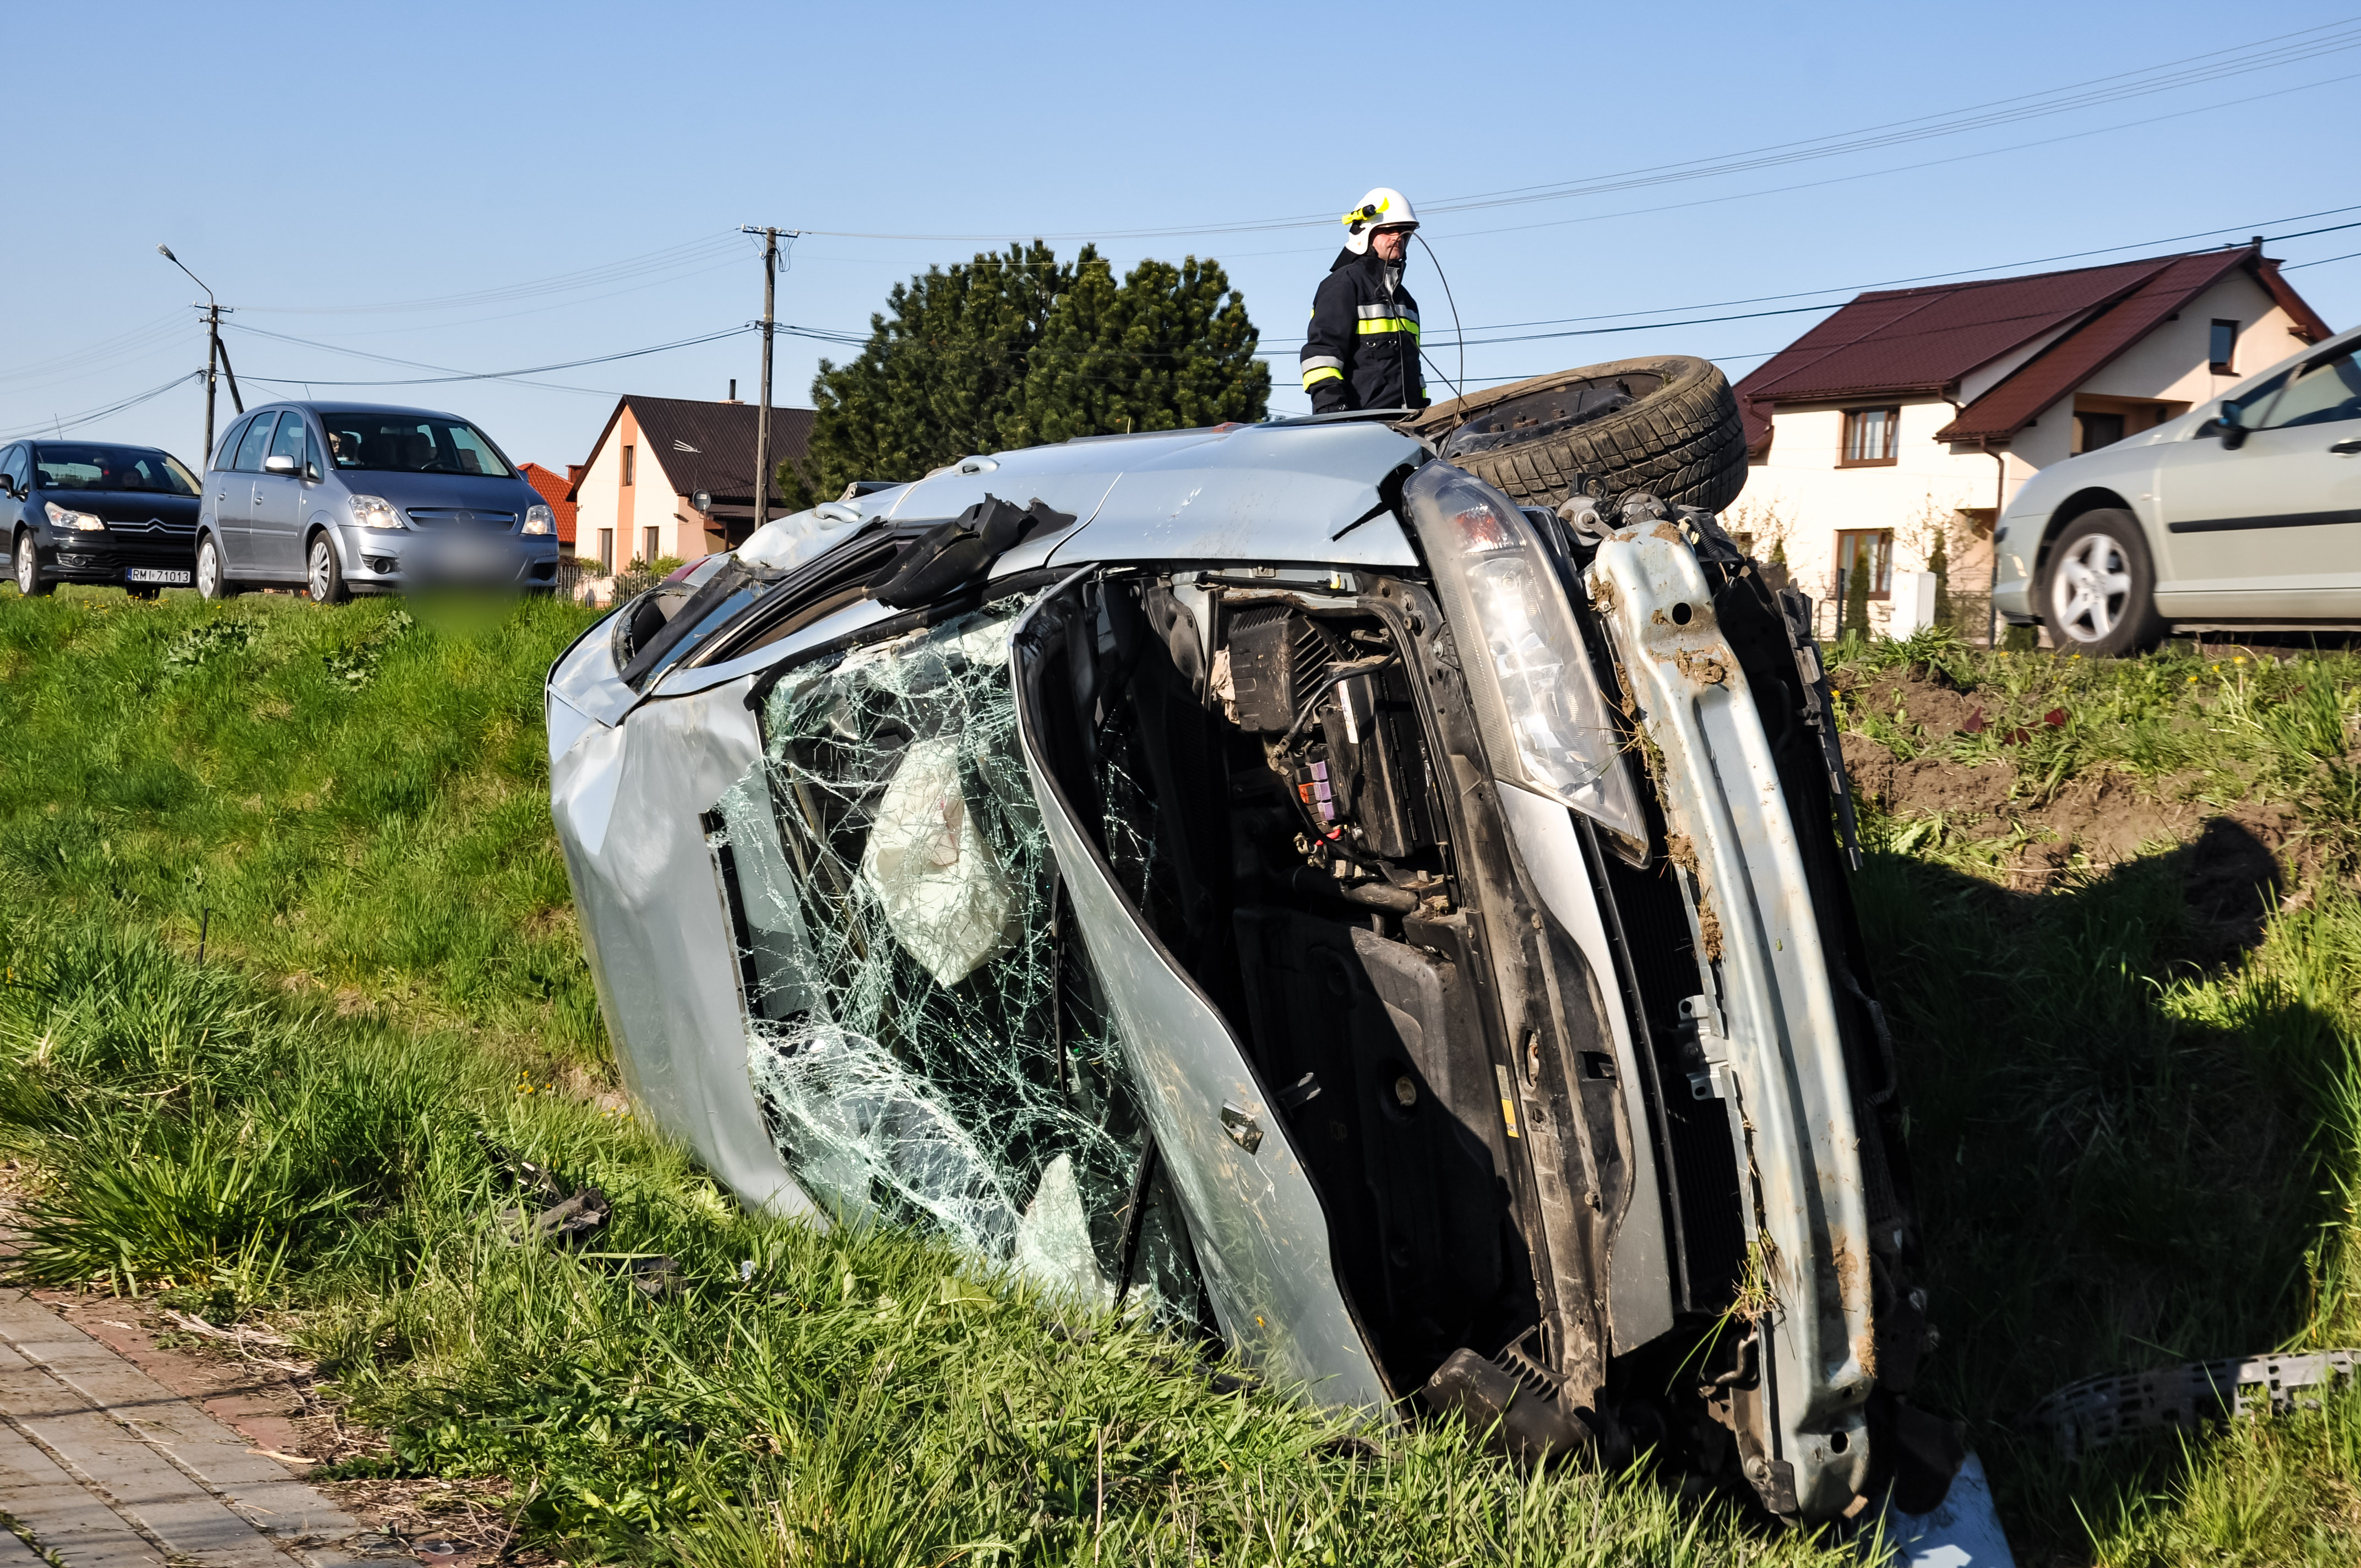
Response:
column 208, row 571
column 25, row 567
column 320, row 573
column 2091, row 592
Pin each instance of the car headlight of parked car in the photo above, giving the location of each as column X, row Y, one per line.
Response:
column 539, row 519
column 73, row 521
column 375, row 511
column 1545, row 721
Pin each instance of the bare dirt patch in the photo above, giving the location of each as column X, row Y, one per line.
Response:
column 2236, row 862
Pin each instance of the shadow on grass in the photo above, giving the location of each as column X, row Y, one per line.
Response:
column 2126, row 1132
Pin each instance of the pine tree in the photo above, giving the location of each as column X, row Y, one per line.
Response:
column 1856, row 598
column 1170, row 349
column 1018, row 348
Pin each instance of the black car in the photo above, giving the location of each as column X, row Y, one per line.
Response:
column 83, row 511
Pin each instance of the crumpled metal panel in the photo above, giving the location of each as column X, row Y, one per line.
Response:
column 1777, row 1048
column 627, row 803
column 1261, row 1236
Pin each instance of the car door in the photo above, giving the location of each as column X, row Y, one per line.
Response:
column 1260, row 1229
column 2271, row 526
column 275, row 521
column 234, row 497
column 14, row 470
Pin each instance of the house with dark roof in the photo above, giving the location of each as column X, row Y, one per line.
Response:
column 554, row 487
column 1914, row 413
column 638, row 496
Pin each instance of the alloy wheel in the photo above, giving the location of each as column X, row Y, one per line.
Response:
column 27, row 569
column 319, row 576
column 2090, row 588
column 208, row 570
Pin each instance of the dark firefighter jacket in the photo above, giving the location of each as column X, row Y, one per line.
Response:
column 1362, row 350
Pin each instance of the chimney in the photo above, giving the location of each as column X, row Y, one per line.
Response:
column 573, row 472
column 733, row 390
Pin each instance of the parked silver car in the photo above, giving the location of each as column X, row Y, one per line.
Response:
column 346, row 497
column 1272, row 883
column 2241, row 514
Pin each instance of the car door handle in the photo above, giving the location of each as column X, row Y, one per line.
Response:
column 2346, row 448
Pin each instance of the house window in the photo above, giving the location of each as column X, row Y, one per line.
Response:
column 629, row 453
column 2224, row 347
column 606, row 551
column 648, row 546
column 2093, row 431
column 1869, row 436
column 1869, row 550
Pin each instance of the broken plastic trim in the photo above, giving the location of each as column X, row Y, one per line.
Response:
column 2100, row 1409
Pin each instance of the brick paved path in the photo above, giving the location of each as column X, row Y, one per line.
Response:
column 105, row 1467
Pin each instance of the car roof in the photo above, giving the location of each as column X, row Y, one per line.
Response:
column 319, row 405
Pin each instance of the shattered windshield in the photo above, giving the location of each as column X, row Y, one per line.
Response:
column 926, row 1037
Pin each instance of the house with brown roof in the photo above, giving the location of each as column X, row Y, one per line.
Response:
column 638, row 496
column 1914, row 413
column 552, row 488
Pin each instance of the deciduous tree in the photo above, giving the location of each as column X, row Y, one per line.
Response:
column 1016, row 348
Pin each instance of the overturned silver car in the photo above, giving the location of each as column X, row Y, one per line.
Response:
column 1264, row 877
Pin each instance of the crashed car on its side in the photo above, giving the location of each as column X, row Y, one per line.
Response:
column 1265, row 878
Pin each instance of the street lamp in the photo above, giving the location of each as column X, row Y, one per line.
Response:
column 215, row 353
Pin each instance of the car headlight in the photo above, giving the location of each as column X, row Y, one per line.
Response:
column 73, row 521
column 539, row 519
column 375, row 511
column 1544, row 723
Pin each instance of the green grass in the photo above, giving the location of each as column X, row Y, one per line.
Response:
column 310, row 1151
column 353, row 803
column 2124, row 1158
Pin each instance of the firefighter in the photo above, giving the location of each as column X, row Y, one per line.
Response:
column 1362, row 351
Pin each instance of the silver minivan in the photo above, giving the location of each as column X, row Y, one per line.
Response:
column 346, row 497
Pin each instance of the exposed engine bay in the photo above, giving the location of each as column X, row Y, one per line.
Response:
column 1331, row 863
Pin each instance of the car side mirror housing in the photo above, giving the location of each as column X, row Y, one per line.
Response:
column 2229, row 422
column 279, row 462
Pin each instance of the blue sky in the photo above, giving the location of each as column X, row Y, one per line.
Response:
column 486, row 188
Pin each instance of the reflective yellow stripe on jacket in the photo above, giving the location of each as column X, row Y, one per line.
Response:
column 1322, row 368
column 1369, row 325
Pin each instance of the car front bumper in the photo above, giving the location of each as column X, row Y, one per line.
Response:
column 97, row 558
column 384, row 560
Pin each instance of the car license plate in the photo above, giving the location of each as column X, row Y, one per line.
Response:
column 160, row 577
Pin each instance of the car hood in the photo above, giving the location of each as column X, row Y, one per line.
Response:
column 122, row 506
column 440, row 490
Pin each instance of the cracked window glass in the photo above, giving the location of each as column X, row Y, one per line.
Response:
column 926, row 1037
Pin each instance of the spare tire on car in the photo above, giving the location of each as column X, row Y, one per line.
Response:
column 1667, row 425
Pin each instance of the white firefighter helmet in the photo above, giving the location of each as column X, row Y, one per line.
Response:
column 1383, row 208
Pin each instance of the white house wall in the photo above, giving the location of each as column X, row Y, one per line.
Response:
column 2169, row 363
column 598, row 495
column 650, row 502
column 1800, row 481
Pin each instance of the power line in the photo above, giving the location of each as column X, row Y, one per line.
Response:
column 671, row 257
column 2285, row 49
column 478, row 375
column 92, row 416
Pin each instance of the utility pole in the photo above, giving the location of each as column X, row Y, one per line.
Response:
column 769, row 323
column 215, row 354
